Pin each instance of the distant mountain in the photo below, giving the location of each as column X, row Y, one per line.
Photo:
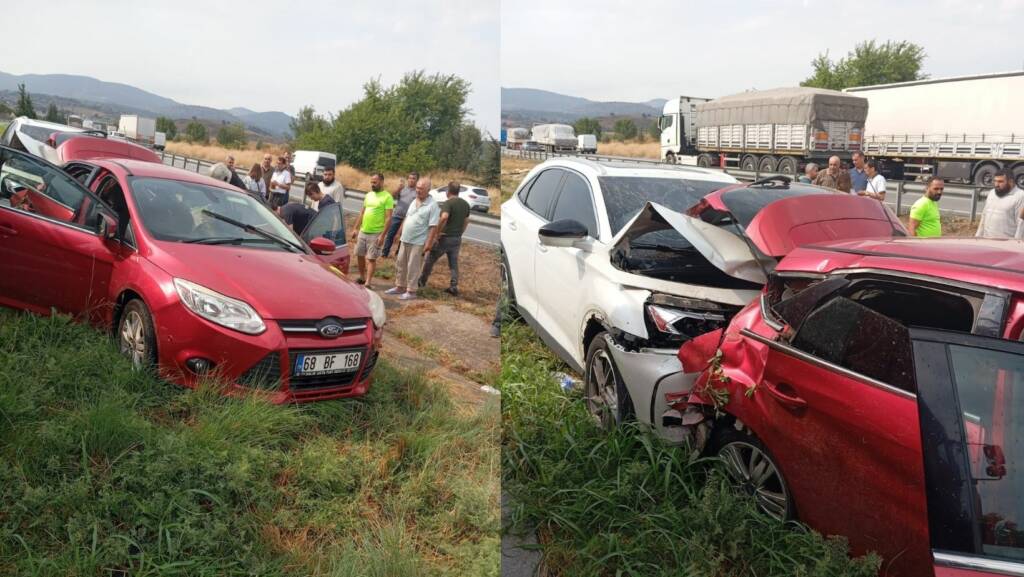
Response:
column 112, row 96
column 533, row 102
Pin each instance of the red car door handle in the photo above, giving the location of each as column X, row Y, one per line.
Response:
column 785, row 394
column 7, row 229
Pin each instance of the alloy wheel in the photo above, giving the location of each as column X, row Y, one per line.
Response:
column 133, row 339
column 753, row 471
column 602, row 390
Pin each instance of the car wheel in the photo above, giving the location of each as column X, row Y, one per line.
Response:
column 508, row 292
column 753, row 471
column 607, row 398
column 136, row 338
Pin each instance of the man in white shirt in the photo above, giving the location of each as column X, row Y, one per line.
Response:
column 280, row 184
column 1003, row 216
column 875, row 187
column 330, row 187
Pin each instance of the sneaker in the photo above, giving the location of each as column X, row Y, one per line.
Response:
column 407, row 296
column 360, row 280
column 393, row 291
column 452, row 291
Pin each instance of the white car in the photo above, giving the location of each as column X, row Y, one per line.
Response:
column 34, row 136
column 615, row 265
column 474, row 195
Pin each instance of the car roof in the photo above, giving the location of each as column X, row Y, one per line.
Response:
column 637, row 169
column 983, row 262
column 155, row 170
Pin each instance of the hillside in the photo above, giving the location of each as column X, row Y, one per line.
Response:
column 531, row 102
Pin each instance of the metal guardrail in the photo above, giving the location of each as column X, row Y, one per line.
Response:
column 975, row 195
column 195, row 165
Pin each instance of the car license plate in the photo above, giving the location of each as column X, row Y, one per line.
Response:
column 327, row 363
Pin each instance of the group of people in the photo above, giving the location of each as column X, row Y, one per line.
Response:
column 1002, row 217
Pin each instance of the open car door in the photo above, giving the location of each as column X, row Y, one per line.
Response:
column 329, row 223
column 971, row 406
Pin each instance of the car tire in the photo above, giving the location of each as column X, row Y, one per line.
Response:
column 604, row 391
column 752, row 470
column 136, row 336
column 507, row 290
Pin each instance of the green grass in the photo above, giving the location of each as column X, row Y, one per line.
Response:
column 105, row 471
column 621, row 503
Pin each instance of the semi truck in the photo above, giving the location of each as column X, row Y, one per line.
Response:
column 554, row 137
column 769, row 131
column 961, row 128
column 137, row 128
column 517, row 137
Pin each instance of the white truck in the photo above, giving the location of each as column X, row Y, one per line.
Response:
column 137, row 128
column 678, row 124
column 516, row 137
column 963, row 128
column 586, row 144
column 773, row 131
column 159, row 140
column 554, row 137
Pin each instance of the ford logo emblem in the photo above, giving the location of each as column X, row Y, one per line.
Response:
column 329, row 328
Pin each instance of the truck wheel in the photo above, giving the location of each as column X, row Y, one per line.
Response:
column 787, row 166
column 704, row 161
column 670, row 158
column 749, row 163
column 767, row 164
column 1018, row 175
column 984, row 174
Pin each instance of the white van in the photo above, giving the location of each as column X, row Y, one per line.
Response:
column 309, row 163
column 586, row 143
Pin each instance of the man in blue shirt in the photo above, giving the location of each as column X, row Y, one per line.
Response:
column 858, row 175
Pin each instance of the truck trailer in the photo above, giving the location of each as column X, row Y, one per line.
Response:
column 962, row 128
column 517, row 137
column 137, row 128
column 773, row 131
column 554, row 137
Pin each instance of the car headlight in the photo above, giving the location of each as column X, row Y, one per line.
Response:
column 220, row 309
column 376, row 308
column 665, row 318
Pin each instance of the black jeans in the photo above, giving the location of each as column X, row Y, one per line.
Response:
column 446, row 245
column 389, row 237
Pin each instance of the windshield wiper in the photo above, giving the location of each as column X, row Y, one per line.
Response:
column 250, row 228
column 216, row 240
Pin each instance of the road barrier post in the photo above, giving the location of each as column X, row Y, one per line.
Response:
column 899, row 197
column 974, row 203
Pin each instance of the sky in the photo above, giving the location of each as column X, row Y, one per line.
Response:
column 259, row 54
column 645, row 49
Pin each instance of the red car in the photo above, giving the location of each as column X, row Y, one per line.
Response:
column 876, row 391
column 192, row 274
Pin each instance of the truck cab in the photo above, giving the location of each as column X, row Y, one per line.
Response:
column 678, row 124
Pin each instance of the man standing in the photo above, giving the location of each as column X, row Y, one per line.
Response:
column 924, row 214
column 415, row 231
column 368, row 236
column 317, row 196
column 448, row 235
column 331, row 187
column 280, row 183
column 288, row 164
column 405, row 198
column 858, row 176
column 268, row 172
column 876, row 182
column 810, row 173
column 234, row 179
column 835, row 177
column 1003, row 216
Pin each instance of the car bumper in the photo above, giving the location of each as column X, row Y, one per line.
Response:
column 652, row 376
column 263, row 363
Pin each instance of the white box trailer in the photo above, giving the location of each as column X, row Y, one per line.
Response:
column 554, row 137
column 137, row 128
column 960, row 128
column 516, row 137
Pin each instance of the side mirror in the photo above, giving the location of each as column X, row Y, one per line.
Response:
column 564, row 233
column 321, row 245
column 107, row 226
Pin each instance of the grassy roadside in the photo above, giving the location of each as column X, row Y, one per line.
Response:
column 107, row 471
column 623, row 504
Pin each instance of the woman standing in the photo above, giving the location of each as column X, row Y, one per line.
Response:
column 254, row 181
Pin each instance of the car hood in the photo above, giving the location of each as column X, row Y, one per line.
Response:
column 725, row 250
column 279, row 285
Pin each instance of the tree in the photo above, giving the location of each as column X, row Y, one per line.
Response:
column 625, row 129
column 868, row 64
column 24, row 106
column 167, row 126
column 588, row 126
column 196, row 132
column 231, row 135
column 654, row 131
column 311, row 131
column 4, row 109
column 52, row 114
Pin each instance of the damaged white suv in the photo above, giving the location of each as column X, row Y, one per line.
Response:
column 615, row 265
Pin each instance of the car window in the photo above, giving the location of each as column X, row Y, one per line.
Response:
column 32, row 185
column 542, row 192
column 329, row 223
column 859, row 339
column 575, row 202
column 990, row 387
column 914, row 306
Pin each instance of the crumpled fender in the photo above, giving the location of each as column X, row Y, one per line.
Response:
column 726, row 360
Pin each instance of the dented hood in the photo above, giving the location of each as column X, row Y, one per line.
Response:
column 725, row 250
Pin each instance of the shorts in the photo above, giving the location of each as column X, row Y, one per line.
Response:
column 366, row 245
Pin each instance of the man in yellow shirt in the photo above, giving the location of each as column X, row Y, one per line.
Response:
column 924, row 214
column 368, row 234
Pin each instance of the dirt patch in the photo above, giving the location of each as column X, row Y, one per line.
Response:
column 462, row 389
column 958, row 226
column 461, row 336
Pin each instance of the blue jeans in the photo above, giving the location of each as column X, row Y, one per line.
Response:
column 396, row 221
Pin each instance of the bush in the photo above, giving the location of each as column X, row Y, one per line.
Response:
column 196, row 132
column 232, row 136
column 167, row 126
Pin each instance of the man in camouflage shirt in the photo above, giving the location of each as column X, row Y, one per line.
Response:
column 834, row 177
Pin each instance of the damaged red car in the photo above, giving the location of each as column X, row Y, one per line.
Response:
column 875, row 391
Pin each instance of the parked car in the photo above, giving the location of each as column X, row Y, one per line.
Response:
column 474, row 195
column 191, row 274
column 604, row 264
column 35, row 136
column 874, row 391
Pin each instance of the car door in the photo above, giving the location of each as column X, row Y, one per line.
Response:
column 52, row 256
column 835, row 406
column 329, row 223
column 520, row 240
column 563, row 270
column 972, row 426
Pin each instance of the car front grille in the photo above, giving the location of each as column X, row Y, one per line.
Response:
column 266, row 374
column 309, row 326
